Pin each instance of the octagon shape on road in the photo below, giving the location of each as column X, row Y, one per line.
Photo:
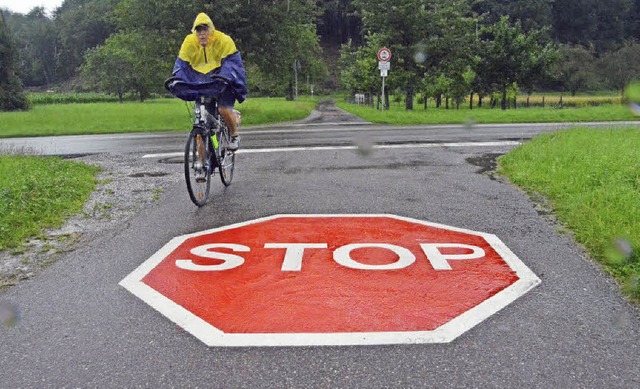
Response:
column 330, row 280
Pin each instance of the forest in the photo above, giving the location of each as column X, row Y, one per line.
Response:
column 442, row 49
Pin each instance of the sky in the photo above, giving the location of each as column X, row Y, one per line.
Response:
column 24, row 6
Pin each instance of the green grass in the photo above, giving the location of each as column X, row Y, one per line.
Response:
column 73, row 98
column 38, row 193
column 397, row 115
column 592, row 179
column 152, row 115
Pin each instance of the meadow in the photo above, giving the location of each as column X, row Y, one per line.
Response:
column 162, row 114
column 599, row 108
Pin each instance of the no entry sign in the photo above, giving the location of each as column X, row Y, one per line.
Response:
column 330, row 280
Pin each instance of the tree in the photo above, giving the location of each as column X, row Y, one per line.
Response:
column 591, row 22
column 511, row 56
column 36, row 42
column 126, row 62
column 359, row 66
column 532, row 14
column 424, row 36
column 576, row 69
column 339, row 22
column 81, row 25
column 106, row 68
column 12, row 96
column 621, row 67
column 270, row 35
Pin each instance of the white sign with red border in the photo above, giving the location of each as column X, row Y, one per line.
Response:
column 384, row 54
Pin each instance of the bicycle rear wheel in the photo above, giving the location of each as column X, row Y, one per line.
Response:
column 197, row 172
column 226, row 157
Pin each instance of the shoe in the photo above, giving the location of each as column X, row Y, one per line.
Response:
column 200, row 172
column 234, row 143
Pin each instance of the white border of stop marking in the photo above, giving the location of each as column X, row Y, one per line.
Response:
column 212, row 336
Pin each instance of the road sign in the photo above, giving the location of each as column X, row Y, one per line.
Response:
column 384, row 73
column 330, row 280
column 384, row 54
column 382, row 65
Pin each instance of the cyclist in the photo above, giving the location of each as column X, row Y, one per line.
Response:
column 208, row 51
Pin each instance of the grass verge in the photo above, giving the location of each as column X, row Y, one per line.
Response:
column 152, row 115
column 38, row 193
column 397, row 115
column 592, row 179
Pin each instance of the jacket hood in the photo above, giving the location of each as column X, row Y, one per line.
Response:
column 203, row 18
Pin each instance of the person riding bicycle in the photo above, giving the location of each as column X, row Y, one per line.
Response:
column 207, row 51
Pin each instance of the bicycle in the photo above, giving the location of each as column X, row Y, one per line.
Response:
column 207, row 145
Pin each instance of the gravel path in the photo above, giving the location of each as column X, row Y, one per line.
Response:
column 127, row 184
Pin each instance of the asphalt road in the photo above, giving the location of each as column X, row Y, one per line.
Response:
column 79, row 328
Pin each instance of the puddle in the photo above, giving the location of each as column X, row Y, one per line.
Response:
column 148, row 174
column 487, row 162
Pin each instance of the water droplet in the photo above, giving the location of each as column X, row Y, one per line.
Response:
column 9, row 314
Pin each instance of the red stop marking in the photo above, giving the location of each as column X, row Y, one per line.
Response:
column 331, row 279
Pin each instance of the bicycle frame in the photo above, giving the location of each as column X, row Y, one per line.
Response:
column 209, row 123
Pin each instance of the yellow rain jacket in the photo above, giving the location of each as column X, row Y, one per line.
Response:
column 195, row 63
column 206, row 59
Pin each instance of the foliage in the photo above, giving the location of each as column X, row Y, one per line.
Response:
column 358, row 66
column 510, row 56
column 427, row 38
column 81, row 25
column 621, row 67
column 576, row 69
column 286, row 33
column 37, row 43
column 441, row 48
column 532, row 14
column 596, row 23
column 12, row 96
column 430, row 39
column 126, row 63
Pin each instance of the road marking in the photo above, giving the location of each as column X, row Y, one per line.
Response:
column 365, row 126
column 330, row 148
column 310, row 303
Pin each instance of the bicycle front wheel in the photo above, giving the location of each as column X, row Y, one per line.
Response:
column 226, row 158
column 196, row 167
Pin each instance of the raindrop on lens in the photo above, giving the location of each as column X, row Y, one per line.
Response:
column 364, row 145
column 624, row 247
column 469, row 123
column 632, row 94
column 420, row 56
column 8, row 315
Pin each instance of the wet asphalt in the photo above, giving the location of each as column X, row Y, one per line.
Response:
column 78, row 328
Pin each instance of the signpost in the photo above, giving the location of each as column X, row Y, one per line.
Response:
column 384, row 56
column 294, row 280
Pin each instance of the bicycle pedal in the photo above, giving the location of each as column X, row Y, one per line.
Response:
column 201, row 180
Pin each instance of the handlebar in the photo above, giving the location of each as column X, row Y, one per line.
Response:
column 214, row 77
column 189, row 91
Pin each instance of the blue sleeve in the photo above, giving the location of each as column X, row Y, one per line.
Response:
column 233, row 69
